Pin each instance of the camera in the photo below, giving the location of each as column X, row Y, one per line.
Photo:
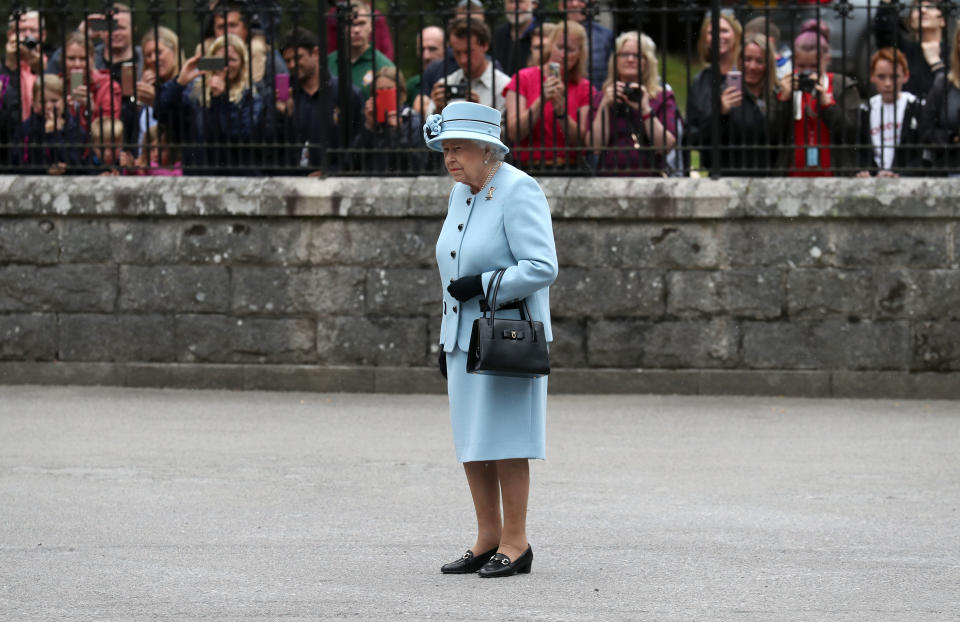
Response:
column 455, row 91
column 29, row 42
column 633, row 93
column 806, row 83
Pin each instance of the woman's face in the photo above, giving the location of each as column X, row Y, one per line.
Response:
column 726, row 37
column 925, row 16
column 567, row 53
column 754, row 65
column 629, row 61
column 234, row 65
column 464, row 160
column 75, row 58
column 807, row 61
column 165, row 60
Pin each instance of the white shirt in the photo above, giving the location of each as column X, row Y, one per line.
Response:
column 488, row 87
column 886, row 123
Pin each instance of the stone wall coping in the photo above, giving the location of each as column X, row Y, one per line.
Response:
column 425, row 197
column 340, row 379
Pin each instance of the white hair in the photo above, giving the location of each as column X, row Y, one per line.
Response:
column 497, row 154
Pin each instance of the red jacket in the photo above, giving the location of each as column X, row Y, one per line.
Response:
column 100, row 98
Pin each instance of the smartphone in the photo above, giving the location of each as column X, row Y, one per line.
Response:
column 734, row 79
column 211, row 63
column 554, row 69
column 281, row 85
column 76, row 79
column 386, row 102
column 127, row 77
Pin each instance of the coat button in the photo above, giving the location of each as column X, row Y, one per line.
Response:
column 444, row 307
column 468, row 201
column 453, row 253
column 460, row 227
column 454, row 308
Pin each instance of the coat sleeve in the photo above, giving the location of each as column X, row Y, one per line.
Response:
column 529, row 231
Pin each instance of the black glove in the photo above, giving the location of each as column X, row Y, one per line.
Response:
column 465, row 288
column 442, row 362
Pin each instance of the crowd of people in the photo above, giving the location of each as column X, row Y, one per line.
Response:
column 575, row 97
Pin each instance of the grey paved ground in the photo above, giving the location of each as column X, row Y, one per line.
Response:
column 131, row 505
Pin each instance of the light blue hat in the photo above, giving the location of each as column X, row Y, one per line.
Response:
column 465, row 120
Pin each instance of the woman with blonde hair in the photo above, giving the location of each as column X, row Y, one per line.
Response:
column 700, row 96
column 635, row 117
column 548, row 105
column 224, row 112
column 538, row 43
column 161, row 62
column 751, row 117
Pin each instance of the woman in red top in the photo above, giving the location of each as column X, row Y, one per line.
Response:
column 826, row 109
column 103, row 97
column 549, row 106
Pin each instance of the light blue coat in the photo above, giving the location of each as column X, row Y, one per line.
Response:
column 511, row 230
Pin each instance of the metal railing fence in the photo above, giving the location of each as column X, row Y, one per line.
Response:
column 293, row 90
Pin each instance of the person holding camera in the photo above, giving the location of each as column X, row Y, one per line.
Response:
column 635, row 118
column 391, row 139
column 826, row 110
column 476, row 80
column 22, row 62
column 548, row 105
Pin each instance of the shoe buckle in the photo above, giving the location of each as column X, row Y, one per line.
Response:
column 505, row 561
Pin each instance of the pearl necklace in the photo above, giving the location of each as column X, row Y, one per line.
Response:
column 493, row 171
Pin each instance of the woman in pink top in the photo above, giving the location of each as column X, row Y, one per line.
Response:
column 548, row 107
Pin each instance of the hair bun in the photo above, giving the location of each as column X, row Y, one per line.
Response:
column 819, row 27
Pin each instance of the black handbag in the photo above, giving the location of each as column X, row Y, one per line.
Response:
column 507, row 347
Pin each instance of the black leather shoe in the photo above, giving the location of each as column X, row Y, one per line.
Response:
column 501, row 566
column 468, row 563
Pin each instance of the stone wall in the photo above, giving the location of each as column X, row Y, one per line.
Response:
column 810, row 287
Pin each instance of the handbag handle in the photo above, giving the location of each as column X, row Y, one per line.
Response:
column 524, row 311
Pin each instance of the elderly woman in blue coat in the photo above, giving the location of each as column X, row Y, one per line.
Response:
column 497, row 217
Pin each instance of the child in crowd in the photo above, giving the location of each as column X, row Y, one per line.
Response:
column 51, row 138
column 890, row 121
column 107, row 155
column 156, row 157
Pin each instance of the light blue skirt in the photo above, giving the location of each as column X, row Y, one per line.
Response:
column 495, row 417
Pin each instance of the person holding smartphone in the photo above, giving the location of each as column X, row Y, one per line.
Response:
column 89, row 95
column 221, row 110
column 751, row 117
column 700, row 101
column 548, row 105
column 391, row 140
